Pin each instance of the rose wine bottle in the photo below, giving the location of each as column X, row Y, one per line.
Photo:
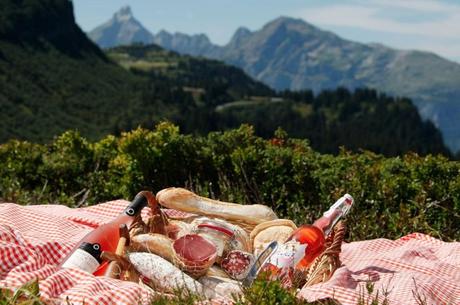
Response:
column 307, row 242
column 86, row 255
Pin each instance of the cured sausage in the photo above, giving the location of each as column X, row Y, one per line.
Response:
column 164, row 276
column 184, row 200
column 237, row 264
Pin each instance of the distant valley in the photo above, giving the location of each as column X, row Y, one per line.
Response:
column 291, row 54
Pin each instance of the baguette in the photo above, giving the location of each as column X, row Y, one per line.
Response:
column 153, row 243
column 187, row 201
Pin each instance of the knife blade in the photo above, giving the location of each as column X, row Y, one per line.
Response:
column 259, row 262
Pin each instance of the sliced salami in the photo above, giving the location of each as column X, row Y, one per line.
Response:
column 237, row 264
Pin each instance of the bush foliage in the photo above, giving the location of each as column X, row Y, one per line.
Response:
column 394, row 196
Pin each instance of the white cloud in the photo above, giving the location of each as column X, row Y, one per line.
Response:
column 451, row 51
column 375, row 15
column 435, row 28
column 419, row 5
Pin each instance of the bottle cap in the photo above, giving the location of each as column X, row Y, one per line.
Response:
column 139, row 202
column 344, row 205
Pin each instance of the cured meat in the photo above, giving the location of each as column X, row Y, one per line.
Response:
column 194, row 254
column 237, row 264
column 193, row 247
column 241, row 241
column 164, row 276
column 184, row 200
column 176, row 229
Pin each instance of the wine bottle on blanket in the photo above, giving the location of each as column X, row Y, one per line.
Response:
column 307, row 242
column 86, row 254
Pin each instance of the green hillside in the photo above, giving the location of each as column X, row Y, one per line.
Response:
column 44, row 93
column 210, row 82
column 52, row 78
column 224, row 97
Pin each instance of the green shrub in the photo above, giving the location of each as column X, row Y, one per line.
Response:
column 394, row 196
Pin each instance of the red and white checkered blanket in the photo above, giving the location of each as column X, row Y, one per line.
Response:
column 34, row 239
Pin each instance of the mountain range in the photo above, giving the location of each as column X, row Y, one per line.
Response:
column 54, row 79
column 289, row 53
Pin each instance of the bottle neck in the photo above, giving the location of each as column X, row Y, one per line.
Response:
column 338, row 210
column 139, row 202
column 327, row 223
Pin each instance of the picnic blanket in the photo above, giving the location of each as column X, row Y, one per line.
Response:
column 34, row 239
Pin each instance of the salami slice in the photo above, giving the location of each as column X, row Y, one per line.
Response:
column 237, row 264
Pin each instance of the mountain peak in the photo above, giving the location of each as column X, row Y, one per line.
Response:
column 291, row 23
column 121, row 29
column 203, row 38
column 242, row 31
column 241, row 34
column 124, row 13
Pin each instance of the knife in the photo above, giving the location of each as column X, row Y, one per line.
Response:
column 262, row 258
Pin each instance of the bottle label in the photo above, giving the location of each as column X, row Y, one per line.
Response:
column 82, row 260
column 288, row 254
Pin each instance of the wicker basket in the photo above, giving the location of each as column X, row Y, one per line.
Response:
column 319, row 271
column 195, row 270
column 324, row 266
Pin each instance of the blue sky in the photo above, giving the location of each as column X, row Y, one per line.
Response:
column 419, row 24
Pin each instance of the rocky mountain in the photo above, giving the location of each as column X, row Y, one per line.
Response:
column 121, row 29
column 290, row 53
column 195, row 45
column 124, row 29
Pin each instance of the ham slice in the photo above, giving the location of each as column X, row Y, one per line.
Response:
column 194, row 248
